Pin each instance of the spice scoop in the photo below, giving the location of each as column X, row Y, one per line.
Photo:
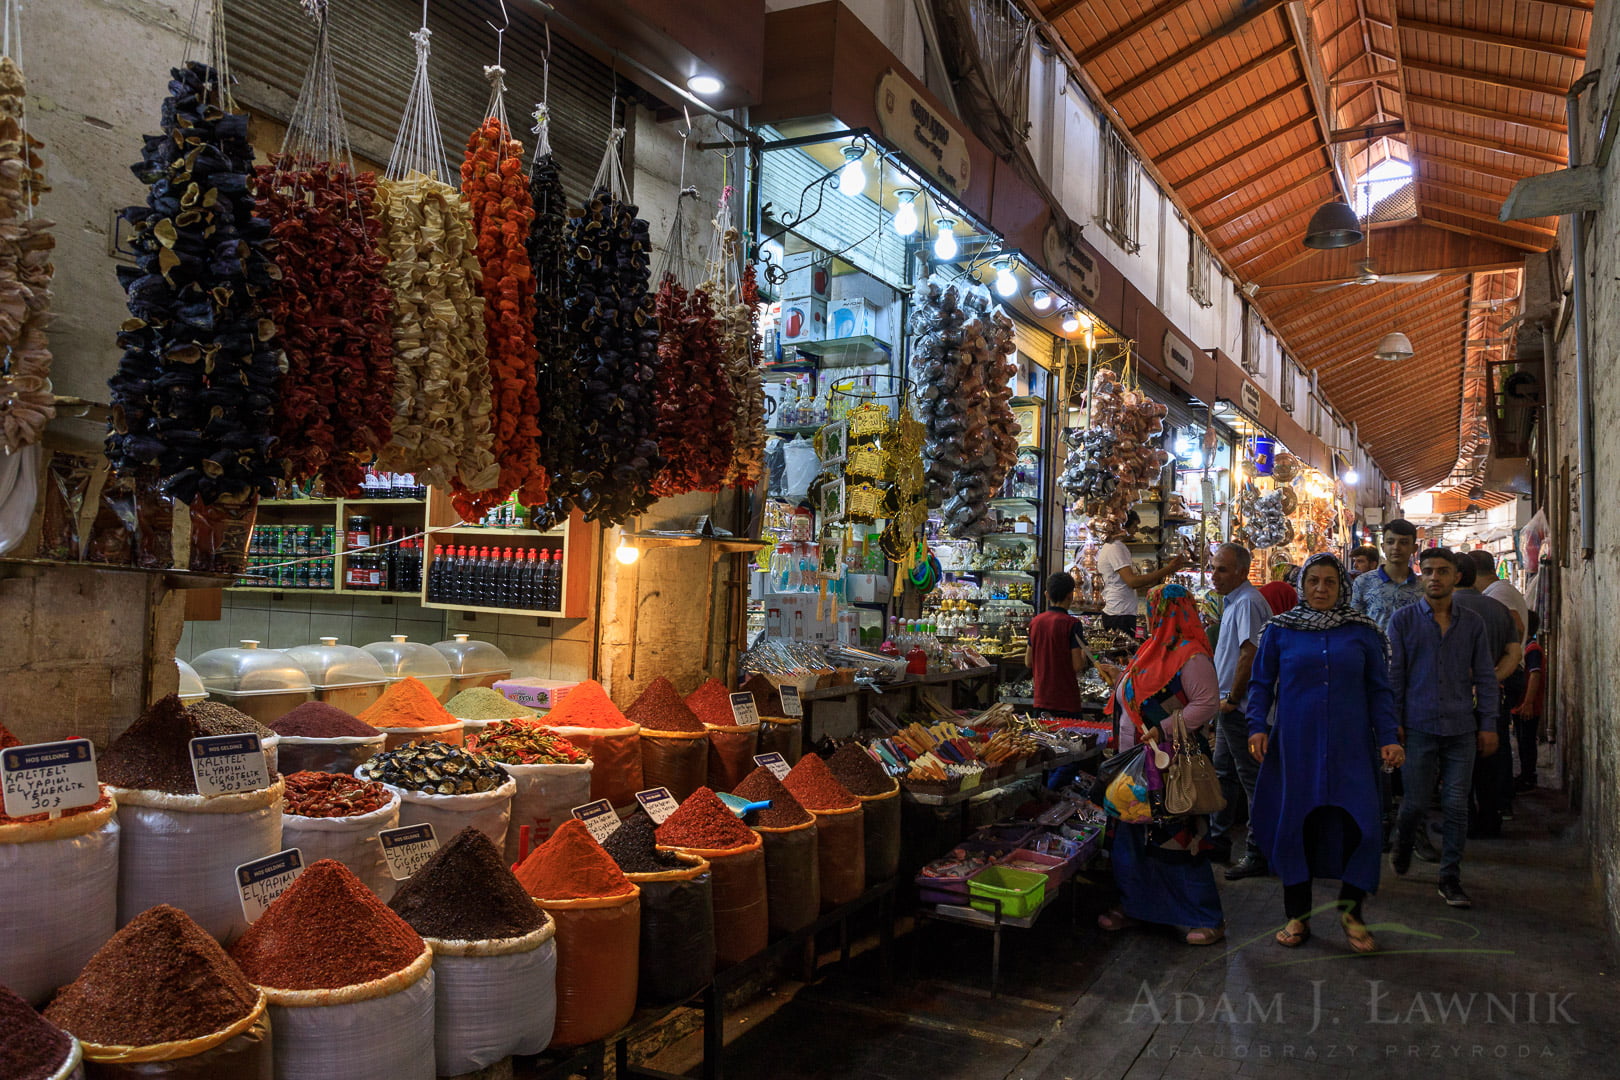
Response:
column 741, row 806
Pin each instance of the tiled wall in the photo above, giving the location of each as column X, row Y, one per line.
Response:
column 541, row 648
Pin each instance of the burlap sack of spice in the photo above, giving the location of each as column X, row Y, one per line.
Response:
column 490, row 812
column 239, row 1049
column 493, row 999
column 677, row 931
column 731, row 754
column 741, row 906
column 841, row 855
column 598, row 956
column 880, row 819
column 792, row 876
column 677, row 760
column 44, row 943
column 615, row 760
column 544, row 796
column 377, row 1030
column 351, row 840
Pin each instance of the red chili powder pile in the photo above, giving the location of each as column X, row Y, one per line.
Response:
column 586, row 705
column 660, row 707
column 571, row 865
column 159, row 979
column 761, row 785
column 703, row 821
column 712, row 703
column 814, row 785
column 7, row 739
column 327, row 931
column 318, row 720
column 407, row 704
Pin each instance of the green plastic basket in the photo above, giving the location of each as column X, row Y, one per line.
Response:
column 1019, row 891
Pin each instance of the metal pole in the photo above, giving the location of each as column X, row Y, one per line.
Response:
column 1583, row 373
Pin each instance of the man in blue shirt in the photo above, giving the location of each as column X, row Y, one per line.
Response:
column 1379, row 593
column 1244, row 613
column 1444, row 680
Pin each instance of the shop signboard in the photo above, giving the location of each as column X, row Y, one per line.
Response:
column 1075, row 269
column 927, row 136
column 1249, row 398
column 1180, row 359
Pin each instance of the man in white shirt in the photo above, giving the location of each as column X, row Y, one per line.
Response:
column 1244, row 613
column 1503, row 591
column 1121, row 579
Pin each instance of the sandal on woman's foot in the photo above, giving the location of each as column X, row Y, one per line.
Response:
column 1116, row 919
column 1295, row 934
column 1356, row 932
column 1205, row 935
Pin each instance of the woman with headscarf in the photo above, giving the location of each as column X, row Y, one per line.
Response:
column 1163, row 869
column 1325, row 668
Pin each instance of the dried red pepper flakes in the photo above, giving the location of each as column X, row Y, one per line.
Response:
column 493, row 184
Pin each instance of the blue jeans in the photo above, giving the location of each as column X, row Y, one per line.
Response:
column 1451, row 758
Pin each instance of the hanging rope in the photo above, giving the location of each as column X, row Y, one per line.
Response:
column 419, row 145
column 213, row 51
column 316, row 132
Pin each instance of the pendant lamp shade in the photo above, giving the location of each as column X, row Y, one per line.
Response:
column 1395, row 346
column 1334, row 225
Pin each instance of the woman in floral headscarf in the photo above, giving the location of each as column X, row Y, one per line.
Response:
column 1163, row 869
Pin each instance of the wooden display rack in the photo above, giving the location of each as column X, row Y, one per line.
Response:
column 573, row 540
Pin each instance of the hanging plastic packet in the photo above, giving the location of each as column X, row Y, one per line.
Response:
column 113, row 530
column 67, row 482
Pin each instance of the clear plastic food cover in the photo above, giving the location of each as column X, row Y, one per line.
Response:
column 249, row 670
column 468, row 657
column 400, row 657
column 329, row 664
column 191, row 687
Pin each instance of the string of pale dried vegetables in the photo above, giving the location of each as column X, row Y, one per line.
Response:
column 26, row 401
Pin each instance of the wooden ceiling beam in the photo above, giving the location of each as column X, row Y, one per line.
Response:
column 1200, row 137
column 1573, row 5
column 1130, row 29
column 1459, row 189
column 1261, row 230
column 1278, row 246
column 1494, row 115
column 1463, row 211
column 1062, row 8
column 1407, row 435
column 1312, row 335
column 1381, row 77
column 1293, row 260
column 1269, row 196
column 1390, row 307
column 1486, row 144
column 1246, row 182
column 1203, row 93
column 1468, row 33
column 1288, row 315
column 1181, row 56
column 1353, row 23
column 1300, row 28
column 1487, row 79
column 1368, row 132
column 1259, row 144
column 1494, row 171
column 1523, row 245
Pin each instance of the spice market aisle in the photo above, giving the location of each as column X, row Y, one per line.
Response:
column 1420, row 1009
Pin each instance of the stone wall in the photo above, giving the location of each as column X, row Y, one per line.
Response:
column 1587, row 627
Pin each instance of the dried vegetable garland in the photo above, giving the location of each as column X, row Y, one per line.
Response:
column 493, row 184
column 560, row 392
column 26, row 401
column 441, row 427
column 331, row 305
column 1116, row 457
column 196, row 391
column 736, row 307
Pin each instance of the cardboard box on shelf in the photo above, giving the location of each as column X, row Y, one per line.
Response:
column 853, row 317
column 806, row 277
column 858, row 286
column 868, row 588
column 804, row 318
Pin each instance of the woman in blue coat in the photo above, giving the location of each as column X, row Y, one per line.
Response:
column 1325, row 666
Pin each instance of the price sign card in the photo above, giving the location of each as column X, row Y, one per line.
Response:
column 226, row 763
column 744, row 710
column 407, row 848
column 262, row 881
column 598, row 817
column 792, row 705
column 658, row 803
column 774, row 762
column 44, row 778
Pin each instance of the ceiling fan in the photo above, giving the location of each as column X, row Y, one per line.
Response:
column 1367, row 274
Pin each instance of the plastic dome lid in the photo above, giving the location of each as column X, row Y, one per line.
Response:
column 191, row 687
column 400, row 657
column 468, row 657
column 330, row 664
column 250, row 670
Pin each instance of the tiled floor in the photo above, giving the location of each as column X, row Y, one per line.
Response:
column 1519, row 986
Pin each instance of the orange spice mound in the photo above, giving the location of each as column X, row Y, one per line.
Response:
column 587, row 706
column 712, row 703
column 571, row 865
column 703, row 821
column 407, row 704
column 815, row 786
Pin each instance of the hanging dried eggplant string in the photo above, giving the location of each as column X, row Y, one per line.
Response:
column 695, row 404
column 610, row 310
column 441, row 395
column 26, row 401
column 331, row 306
column 736, row 307
column 560, row 391
column 493, row 184
column 195, row 394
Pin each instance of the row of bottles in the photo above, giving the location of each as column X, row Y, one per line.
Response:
column 272, row 572
column 528, row 579
column 918, row 643
column 395, row 565
column 387, row 485
column 294, row 540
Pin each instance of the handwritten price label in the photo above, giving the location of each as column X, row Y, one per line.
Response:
column 226, row 763
column 44, row 778
column 598, row 817
column 792, row 704
column 407, row 848
column 658, row 803
column 262, row 881
column 744, row 710
column 774, row 762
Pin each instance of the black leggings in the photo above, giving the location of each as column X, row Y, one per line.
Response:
column 1297, row 901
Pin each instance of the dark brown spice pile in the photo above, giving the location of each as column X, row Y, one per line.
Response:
column 761, row 785
column 154, row 754
column 767, row 698
column 159, row 979
column 632, row 846
column 465, row 892
column 857, row 771
column 660, row 707
column 31, row 1048
column 318, row 720
column 217, row 718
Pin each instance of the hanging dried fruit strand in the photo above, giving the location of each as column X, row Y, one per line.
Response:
column 26, row 401
column 745, row 355
column 560, row 391
column 695, row 408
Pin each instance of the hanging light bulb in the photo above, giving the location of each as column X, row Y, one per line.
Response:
column 1351, row 478
column 1071, row 321
column 945, row 245
column 852, row 178
column 905, row 214
column 1040, row 299
column 1006, row 282
column 626, row 552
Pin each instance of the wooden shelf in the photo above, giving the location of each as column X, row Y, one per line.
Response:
column 276, row 589
column 494, row 530
column 496, row 610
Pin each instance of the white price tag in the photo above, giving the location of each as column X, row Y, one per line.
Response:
column 774, row 762
column 598, row 817
column 792, row 705
column 658, row 803
column 226, row 763
column 42, row 778
column 262, row 881
column 407, row 848
column 744, row 710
